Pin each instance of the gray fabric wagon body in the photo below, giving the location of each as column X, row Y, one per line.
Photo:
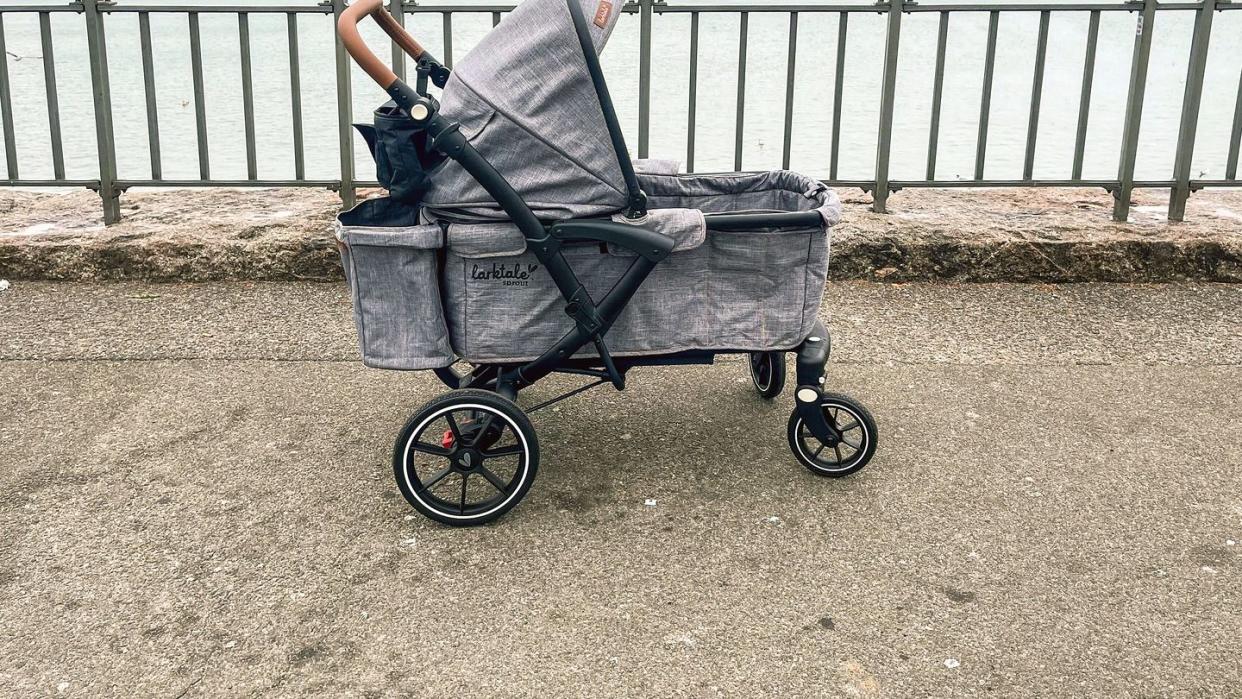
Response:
column 455, row 279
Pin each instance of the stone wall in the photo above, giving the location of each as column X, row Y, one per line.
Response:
column 972, row 235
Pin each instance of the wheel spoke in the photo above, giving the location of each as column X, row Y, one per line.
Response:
column 513, row 450
column 465, row 478
column 849, row 427
column 837, row 449
column 433, row 449
column 487, row 422
column 492, row 478
column 820, row 450
column 428, row 485
column 856, row 447
column 452, row 423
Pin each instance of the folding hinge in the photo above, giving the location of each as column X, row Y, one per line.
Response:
column 584, row 313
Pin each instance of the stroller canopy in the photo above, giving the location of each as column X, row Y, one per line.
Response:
column 525, row 99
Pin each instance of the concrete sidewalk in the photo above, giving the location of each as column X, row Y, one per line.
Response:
column 197, row 500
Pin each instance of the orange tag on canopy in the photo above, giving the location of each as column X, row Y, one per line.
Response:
column 603, row 13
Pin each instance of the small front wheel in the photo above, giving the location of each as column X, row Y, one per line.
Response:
column 767, row 372
column 853, row 442
column 466, row 458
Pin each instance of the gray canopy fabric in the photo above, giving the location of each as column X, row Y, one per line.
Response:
column 525, row 100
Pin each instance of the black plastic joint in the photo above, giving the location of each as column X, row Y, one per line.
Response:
column 637, row 208
column 449, row 140
column 584, row 313
column 404, row 95
column 813, row 356
column 807, row 401
column 434, row 70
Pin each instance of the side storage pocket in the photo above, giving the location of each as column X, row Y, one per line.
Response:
column 391, row 262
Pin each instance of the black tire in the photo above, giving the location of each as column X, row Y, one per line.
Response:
column 488, row 438
column 767, row 373
column 857, row 431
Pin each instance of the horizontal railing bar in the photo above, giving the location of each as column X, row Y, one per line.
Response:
column 1200, row 184
column 483, row 9
column 40, row 8
column 218, row 9
column 123, row 184
column 769, row 8
column 1038, row 7
column 88, row 184
column 865, row 184
column 947, row 184
column 632, row 8
column 929, row 7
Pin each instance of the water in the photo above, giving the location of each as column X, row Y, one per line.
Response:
column 765, row 94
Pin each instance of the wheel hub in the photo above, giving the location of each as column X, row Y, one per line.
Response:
column 467, row 460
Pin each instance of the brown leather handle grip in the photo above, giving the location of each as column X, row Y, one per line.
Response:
column 347, row 29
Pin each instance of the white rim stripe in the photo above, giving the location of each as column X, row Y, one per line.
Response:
column 405, row 460
column 811, row 459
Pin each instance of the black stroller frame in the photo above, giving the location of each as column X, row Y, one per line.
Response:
column 816, row 414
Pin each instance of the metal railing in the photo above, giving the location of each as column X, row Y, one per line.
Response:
column 881, row 186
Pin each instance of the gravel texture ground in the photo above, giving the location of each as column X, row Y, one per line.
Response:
column 197, row 500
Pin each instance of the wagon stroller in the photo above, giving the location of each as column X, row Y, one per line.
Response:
column 520, row 240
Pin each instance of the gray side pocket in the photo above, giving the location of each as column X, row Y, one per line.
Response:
column 393, row 276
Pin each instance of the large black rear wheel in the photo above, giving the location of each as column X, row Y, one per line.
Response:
column 767, row 372
column 466, row 458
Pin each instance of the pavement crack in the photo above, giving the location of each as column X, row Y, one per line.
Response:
column 191, row 685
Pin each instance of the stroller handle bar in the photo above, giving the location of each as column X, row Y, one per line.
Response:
column 347, row 29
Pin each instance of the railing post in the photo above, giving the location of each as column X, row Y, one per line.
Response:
column 101, row 94
column 397, row 9
column 344, row 108
column 1190, row 110
column 892, row 41
column 1134, row 111
column 6, row 111
column 644, row 76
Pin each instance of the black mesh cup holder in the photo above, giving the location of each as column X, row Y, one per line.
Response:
column 403, row 158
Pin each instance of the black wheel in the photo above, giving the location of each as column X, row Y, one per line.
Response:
column 466, row 457
column 767, row 371
column 849, row 452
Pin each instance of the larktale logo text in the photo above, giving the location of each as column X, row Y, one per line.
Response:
column 509, row 275
column 602, row 13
